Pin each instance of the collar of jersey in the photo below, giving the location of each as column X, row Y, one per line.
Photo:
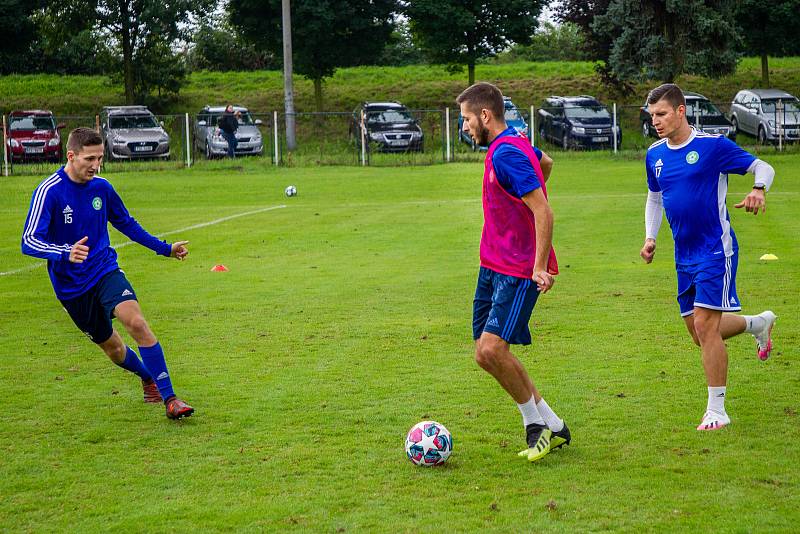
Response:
column 678, row 147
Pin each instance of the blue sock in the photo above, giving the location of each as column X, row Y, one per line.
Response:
column 134, row 365
column 153, row 358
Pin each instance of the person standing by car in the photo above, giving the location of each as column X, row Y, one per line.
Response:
column 228, row 124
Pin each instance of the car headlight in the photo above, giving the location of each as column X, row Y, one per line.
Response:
column 579, row 129
column 14, row 143
column 376, row 136
column 163, row 139
column 256, row 138
column 118, row 140
column 771, row 124
column 54, row 142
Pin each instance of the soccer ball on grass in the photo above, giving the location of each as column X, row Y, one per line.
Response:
column 428, row 444
column 290, row 190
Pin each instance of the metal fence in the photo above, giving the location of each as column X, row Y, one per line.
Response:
column 430, row 136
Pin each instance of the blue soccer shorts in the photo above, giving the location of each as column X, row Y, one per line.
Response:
column 92, row 312
column 711, row 284
column 503, row 305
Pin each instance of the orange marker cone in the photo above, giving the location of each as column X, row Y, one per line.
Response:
column 219, row 268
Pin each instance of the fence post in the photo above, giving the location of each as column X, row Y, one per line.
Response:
column 275, row 134
column 363, row 142
column 447, row 130
column 697, row 116
column 5, row 147
column 614, row 129
column 532, row 127
column 188, row 147
column 779, row 124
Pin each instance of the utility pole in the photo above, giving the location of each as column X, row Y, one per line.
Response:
column 288, row 91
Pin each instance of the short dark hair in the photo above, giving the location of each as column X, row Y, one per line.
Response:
column 483, row 95
column 82, row 137
column 669, row 92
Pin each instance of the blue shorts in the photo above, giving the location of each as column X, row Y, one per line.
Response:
column 503, row 306
column 92, row 312
column 711, row 284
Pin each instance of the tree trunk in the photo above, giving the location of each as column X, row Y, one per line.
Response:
column 127, row 52
column 318, row 94
column 765, row 70
column 471, row 71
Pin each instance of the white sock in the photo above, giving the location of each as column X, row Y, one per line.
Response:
column 530, row 414
column 553, row 422
column 716, row 399
column 755, row 323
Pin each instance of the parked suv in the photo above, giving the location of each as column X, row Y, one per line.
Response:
column 33, row 136
column 756, row 111
column 389, row 126
column 208, row 139
column 700, row 112
column 577, row 121
column 132, row 132
column 513, row 118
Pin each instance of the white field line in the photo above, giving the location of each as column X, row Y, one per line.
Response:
column 178, row 231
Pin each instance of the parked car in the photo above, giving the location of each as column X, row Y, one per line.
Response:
column 577, row 121
column 513, row 118
column 208, row 139
column 757, row 112
column 389, row 126
column 133, row 132
column 33, row 136
column 700, row 112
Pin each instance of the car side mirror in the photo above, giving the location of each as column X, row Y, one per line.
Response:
column 258, row 122
column 161, row 123
column 61, row 126
column 104, row 126
column 201, row 123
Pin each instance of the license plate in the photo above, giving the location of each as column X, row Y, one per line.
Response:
column 142, row 149
column 600, row 139
column 398, row 142
column 34, row 150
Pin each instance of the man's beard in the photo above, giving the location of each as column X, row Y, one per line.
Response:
column 482, row 135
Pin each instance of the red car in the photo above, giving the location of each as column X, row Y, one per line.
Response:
column 33, row 136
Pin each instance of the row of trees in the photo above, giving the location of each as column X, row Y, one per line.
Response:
column 148, row 45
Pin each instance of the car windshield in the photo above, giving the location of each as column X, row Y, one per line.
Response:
column 512, row 114
column 213, row 119
column 771, row 106
column 706, row 108
column 587, row 112
column 390, row 116
column 32, row 122
column 132, row 122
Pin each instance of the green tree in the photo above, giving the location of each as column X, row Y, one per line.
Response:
column 769, row 28
column 456, row 32
column 563, row 42
column 400, row 49
column 658, row 40
column 217, row 46
column 325, row 35
column 18, row 34
column 142, row 33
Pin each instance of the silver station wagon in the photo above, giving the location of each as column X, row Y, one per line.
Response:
column 761, row 112
column 132, row 132
column 209, row 141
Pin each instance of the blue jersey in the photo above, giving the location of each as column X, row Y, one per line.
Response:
column 693, row 180
column 61, row 213
column 512, row 168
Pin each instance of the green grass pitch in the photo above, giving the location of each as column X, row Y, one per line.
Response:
column 345, row 319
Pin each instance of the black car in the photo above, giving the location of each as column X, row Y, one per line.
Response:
column 577, row 121
column 388, row 127
column 711, row 119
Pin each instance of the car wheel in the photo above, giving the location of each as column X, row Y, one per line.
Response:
column 735, row 124
column 208, row 151
column 645, row 129
column 762, row 136
column 565, row 141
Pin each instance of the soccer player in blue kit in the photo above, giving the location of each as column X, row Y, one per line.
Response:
column 687, row 175
column 67, row 225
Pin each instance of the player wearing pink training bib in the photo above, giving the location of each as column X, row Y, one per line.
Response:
column 517, row 260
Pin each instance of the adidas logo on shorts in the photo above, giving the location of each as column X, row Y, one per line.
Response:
column 162, row 376
column 127, row 293
column 493, row 322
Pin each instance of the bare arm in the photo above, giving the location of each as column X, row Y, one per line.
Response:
column 547, row 165
column 537, row 203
